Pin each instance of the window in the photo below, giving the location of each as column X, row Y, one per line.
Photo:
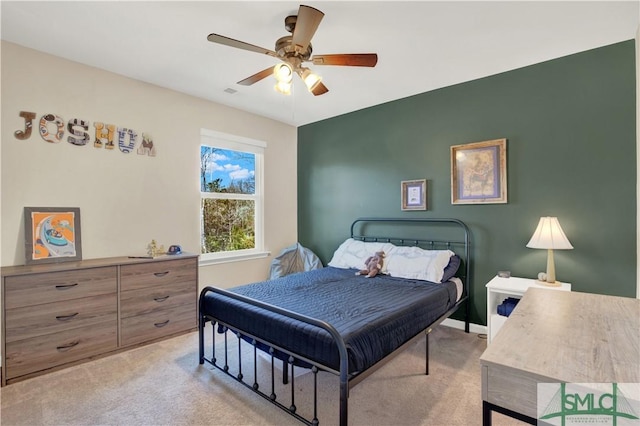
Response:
column 231, row 195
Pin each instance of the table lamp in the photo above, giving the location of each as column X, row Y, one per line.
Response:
column 549, row 235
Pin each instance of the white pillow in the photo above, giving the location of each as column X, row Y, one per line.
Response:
column 417, row 263
column 352, row 253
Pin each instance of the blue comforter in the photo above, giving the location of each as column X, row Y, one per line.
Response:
column 374, row 316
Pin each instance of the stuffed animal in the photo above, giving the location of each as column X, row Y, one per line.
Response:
column 373, row 264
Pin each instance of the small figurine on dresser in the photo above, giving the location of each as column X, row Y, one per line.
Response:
column 154, row 250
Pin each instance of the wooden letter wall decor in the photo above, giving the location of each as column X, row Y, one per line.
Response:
column 28, row 124
column 122, row 136
column 52, row 127
column 146, row 147
column 104, row 133
column 45, row 122
column 82, row 133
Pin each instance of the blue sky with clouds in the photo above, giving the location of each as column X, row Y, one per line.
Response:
column 230, row 166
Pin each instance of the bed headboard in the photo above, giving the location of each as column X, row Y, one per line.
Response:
column 427, row 233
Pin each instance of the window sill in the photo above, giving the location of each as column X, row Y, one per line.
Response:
column 233, row 257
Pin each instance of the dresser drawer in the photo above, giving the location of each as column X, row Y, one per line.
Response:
column 152, row 299
column 158, row 273
column 42, row 352
column 36, row 289
column 29, row 321
column 153, row 325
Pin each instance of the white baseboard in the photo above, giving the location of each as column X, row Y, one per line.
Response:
column 473, row 328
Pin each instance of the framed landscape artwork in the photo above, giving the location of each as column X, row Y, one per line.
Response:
column 52, row 234
column 479, row 172
column 414, row 194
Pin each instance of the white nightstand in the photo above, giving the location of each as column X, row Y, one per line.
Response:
column 499, row 289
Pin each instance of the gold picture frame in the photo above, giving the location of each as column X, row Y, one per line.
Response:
column 52, row 234
column 414, row 194
column 479, row 172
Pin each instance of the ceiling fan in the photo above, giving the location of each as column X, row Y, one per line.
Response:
column 294, row 50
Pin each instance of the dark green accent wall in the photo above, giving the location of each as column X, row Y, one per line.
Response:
column 571, row 153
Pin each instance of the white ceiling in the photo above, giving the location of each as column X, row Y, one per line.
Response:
column 421, row 45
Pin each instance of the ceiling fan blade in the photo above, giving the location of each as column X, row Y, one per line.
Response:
column 216, row 38
column 306, row 25
column 347, row 59
column 320, row 89
column 256, row 77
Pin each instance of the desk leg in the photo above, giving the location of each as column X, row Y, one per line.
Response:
column 486, row 413
column 488, row 408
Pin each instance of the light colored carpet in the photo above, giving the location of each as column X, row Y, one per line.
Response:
column 163, row 384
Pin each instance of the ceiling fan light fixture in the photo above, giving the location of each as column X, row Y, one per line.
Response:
column 283, row 87
column 294, row 50
column 310, row 79
column 283, row 73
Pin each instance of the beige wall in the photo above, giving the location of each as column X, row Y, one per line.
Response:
column 128, row 199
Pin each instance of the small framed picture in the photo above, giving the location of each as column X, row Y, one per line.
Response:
column 52, row 234
column 479, row 172
column 414, row 194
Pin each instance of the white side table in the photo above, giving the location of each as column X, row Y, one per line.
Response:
column 499, row 289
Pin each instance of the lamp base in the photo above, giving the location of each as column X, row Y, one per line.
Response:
column 549, row 284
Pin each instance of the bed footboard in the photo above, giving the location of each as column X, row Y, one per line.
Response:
column 272, row 397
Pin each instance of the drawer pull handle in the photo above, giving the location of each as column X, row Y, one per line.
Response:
column 160, row 299
column 66, row 286
column 66, row 317
column 161, row 324
column 68, row 346
column 160, row 274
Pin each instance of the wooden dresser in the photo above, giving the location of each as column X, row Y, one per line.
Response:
column 57, row 315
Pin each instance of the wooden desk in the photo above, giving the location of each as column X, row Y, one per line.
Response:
column 557, row 336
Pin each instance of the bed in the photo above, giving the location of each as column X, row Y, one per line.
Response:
column 332, row 320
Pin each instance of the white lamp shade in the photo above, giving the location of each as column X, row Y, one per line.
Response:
column 283, row 73
column 549, row 235
column 310, row 79
column 282, row 87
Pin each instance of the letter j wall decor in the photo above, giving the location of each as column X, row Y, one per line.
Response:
column 52, row 234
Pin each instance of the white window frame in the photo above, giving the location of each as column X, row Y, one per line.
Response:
column 237, row 143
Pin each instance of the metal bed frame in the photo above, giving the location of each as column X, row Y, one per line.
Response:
column 347, row 381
